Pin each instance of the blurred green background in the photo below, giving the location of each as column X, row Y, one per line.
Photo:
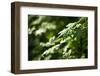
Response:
column 57, row 37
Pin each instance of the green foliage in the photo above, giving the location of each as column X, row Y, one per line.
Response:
column 57, row 37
